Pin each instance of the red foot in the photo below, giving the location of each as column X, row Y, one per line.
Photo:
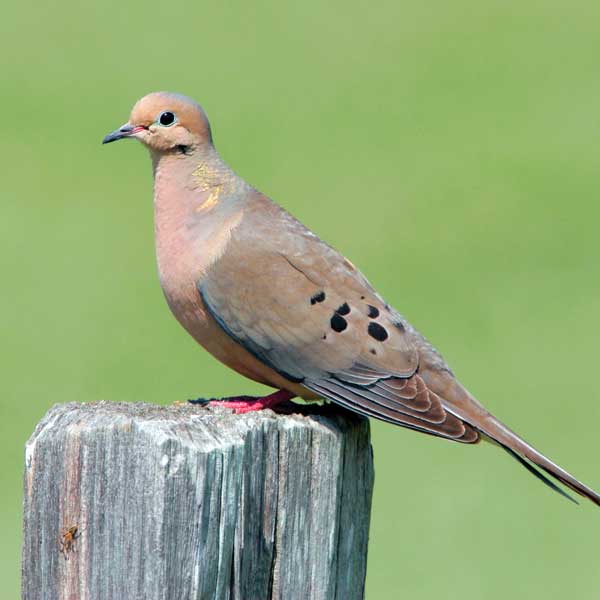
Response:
column 244, row 404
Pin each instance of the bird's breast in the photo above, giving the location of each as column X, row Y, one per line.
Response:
column 188, row 242
column 192, row 230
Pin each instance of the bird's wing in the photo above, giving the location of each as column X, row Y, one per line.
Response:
column 305, row 311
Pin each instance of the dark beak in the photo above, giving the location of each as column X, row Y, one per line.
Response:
column 123, row 132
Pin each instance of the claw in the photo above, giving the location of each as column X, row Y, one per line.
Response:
column 201, row 401
column 244, row 404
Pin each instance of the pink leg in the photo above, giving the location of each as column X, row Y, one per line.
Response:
column 244, row 404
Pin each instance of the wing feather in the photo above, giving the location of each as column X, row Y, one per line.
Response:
column 325, row 327
column 357, row 399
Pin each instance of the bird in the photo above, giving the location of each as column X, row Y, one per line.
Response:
column 272, row 301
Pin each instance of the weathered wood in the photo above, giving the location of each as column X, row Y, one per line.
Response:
column 134, row 501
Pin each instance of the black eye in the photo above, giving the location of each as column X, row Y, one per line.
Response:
column 166, row 118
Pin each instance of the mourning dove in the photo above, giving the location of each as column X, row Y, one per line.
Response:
column 271, row 300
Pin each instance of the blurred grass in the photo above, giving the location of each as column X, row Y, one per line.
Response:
column 451, row 150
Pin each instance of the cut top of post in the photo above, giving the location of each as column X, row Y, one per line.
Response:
column 142, row 501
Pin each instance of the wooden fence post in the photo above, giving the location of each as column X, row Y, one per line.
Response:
column 135, row 501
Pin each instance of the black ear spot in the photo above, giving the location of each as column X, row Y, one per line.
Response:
column 373, row 351
column 377, row 332
column 318, row 297
column 338, row 323
column 362, row 297
column 373, row 311
column 344, row 309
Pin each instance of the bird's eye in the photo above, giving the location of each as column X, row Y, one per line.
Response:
column 166, row 119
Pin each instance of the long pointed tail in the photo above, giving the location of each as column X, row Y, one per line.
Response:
column 523, row 452
column 468, row 408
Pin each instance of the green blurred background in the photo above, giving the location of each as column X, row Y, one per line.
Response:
column 450, row 149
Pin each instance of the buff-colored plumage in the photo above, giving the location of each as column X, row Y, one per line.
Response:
column 271, row 300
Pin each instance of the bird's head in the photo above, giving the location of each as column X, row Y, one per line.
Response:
column 166, row 122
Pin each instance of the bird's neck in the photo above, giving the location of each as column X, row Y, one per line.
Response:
column 197, row 201
column 202, row 170
column 193, row 186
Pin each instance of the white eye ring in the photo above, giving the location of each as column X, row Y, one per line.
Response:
column 166, row 119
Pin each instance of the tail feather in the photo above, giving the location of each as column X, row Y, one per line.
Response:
column 466, row 407
column 539, row 475
column 527, row 454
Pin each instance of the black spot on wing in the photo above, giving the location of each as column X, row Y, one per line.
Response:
column 400, row 327
column 318, row 297
column 373, row 311
column 344, row 309
column 338, row 323
column 377, row 332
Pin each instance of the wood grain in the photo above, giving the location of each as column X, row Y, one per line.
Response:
column 184, row 502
